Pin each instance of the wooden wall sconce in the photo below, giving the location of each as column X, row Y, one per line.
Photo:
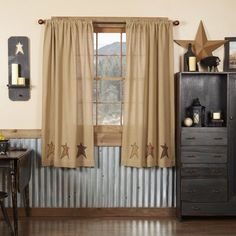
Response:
column 18, row 69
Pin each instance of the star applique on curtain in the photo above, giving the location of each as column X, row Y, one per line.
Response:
column 50, row 149
column 81, row 151
column 150, row 150
column 134, row 151
column 65, row 151
column 164, row 151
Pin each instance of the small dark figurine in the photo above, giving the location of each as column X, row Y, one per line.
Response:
column 210, row 63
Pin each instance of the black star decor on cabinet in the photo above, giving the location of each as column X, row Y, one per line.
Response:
column 18, row 68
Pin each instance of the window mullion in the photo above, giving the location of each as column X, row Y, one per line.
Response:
column 121, row 83
column 96, row 80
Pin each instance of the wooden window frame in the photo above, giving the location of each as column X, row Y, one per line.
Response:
column 108, row 135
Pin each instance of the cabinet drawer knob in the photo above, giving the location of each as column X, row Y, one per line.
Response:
column 215, row 190
column 191, row 191
column 217, row 156
column 218, row 138
column 195, row 208
column 216, row 172
column 190, row 138
column 231, row 118
column 191, row 156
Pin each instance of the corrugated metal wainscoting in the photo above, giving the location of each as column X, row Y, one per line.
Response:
column 107, row 185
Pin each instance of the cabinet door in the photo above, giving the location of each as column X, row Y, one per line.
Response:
column 232, row 133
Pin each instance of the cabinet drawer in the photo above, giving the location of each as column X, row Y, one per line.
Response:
column 203, row 154
column 194, row 209
column 204, row 190
column 220, row 172
column 204, row 136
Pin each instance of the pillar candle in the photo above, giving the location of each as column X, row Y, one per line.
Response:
column 14, row 73
column 192, row 63
column 216, row 115
column 21, row 81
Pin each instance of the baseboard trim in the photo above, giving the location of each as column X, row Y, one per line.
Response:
column 98, row 212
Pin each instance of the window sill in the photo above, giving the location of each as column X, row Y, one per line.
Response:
column 107, row 135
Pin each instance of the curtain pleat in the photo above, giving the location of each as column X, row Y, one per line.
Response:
column 67, row 126
column 148, row 129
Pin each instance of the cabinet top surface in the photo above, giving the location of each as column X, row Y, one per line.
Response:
column 204, row 73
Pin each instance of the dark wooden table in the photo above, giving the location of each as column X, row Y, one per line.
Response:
column 19, row 164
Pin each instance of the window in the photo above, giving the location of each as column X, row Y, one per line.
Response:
column 110, row 65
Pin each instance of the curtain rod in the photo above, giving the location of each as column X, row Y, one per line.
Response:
column 41, row 21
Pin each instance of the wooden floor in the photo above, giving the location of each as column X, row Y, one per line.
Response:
column 59, row 226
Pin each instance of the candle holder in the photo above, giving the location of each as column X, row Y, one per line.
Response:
column 216, row 119
column 18, row 68
column 197, row 113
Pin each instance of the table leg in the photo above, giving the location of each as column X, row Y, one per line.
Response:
column 26, row 200
column 5, row 215
column 14, row 201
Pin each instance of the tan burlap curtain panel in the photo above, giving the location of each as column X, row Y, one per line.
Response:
column 67, row 129
column 148, row 132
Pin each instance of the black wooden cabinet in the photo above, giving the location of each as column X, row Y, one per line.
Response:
column 206, row 156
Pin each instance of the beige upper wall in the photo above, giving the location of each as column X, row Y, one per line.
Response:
column 19, row 18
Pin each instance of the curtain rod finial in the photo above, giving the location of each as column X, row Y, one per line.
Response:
column 176, row 22
column 41, row 21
